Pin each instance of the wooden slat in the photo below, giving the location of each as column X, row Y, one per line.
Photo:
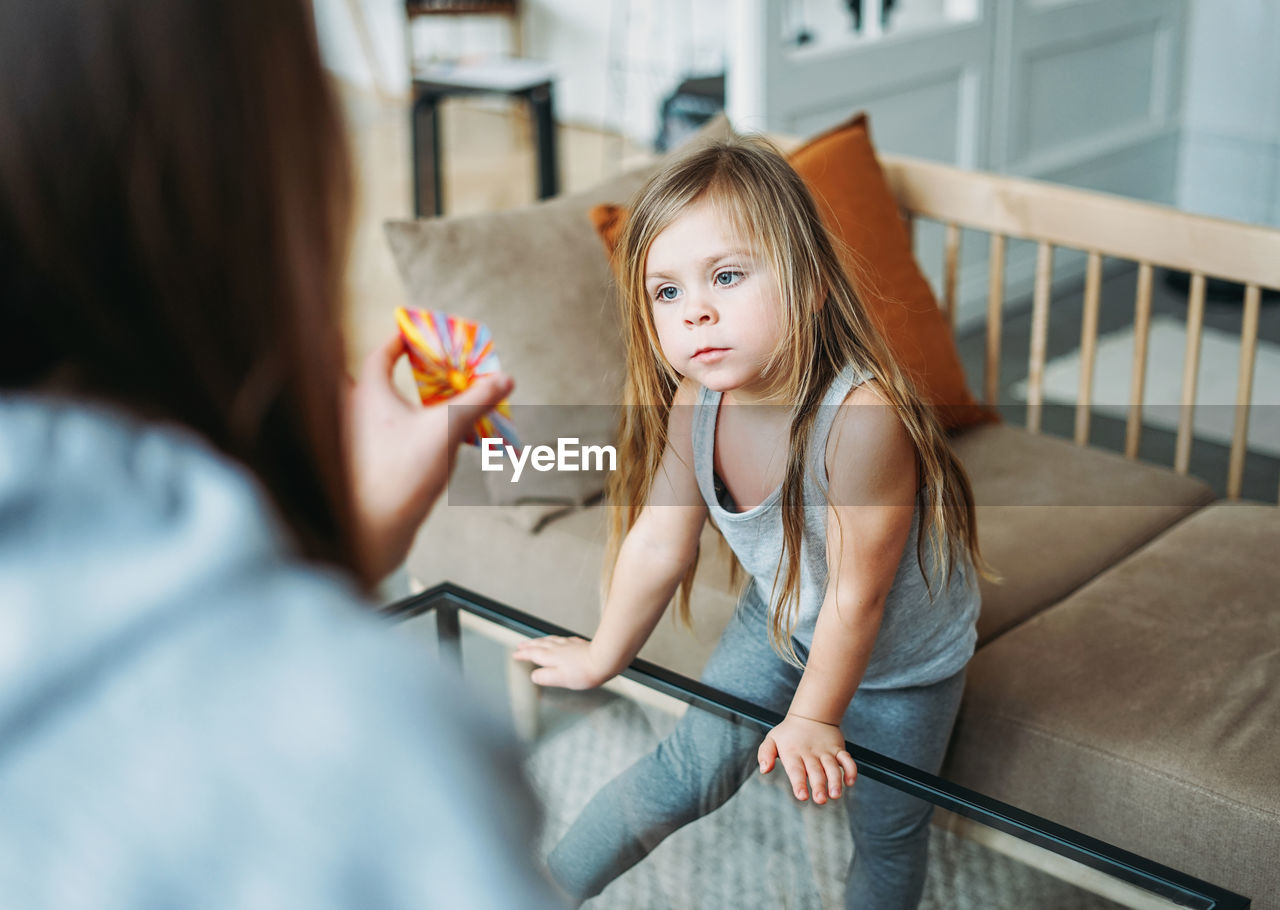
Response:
column 1053, row 215
column 1248, row 352
column 1190, row 373
column 995, row 319
column 1039, row 335
column 1088, row 345
column 1083, row 219
column 952, row 266
column 1138, row 380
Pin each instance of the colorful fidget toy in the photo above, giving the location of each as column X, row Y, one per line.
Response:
column 447, row 354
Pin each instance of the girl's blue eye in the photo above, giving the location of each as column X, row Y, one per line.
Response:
column 663, row 295
column 733, row 278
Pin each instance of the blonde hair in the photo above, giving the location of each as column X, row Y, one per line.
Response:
column 825, row 328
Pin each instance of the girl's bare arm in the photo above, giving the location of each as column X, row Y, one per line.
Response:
column 872, row 471
column 653, row 558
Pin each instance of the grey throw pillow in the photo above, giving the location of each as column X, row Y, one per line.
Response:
column 539, row 278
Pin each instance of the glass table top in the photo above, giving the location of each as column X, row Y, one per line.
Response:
column 591, row 759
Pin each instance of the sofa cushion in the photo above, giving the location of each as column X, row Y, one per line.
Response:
column 859, row 209
column 537, row 278
column 1052, row 515
column 1153, row 695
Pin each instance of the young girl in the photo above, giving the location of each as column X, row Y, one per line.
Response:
column 760, row 394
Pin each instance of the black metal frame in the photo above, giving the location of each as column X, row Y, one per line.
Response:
column 447, row 599
column 460, row 7
column 428, row 190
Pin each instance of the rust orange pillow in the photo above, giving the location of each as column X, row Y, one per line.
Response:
column 843, row 174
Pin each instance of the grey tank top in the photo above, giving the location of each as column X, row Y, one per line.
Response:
column 921, row 641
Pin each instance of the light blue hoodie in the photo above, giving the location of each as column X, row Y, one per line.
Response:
column 191, row 717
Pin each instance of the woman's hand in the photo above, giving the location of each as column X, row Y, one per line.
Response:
column 565, row 662
column 813, row 755
column 402, row 453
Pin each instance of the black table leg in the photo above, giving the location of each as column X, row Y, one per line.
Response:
column 427, row 196
column 449, row 634
column 542, row 106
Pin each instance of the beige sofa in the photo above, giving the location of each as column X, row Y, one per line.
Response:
column 1127, row 681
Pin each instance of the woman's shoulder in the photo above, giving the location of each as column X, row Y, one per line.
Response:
column 357, row 727
column 188, row 696
column 282, row 739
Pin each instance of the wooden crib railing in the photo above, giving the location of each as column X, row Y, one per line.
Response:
column 1101, row 226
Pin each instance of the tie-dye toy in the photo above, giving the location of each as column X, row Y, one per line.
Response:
column 447, row 354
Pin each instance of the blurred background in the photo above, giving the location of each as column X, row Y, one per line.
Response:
column 1172, row 101
column 1176, row 101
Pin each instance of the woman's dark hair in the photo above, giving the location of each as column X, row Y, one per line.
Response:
column 174, row 212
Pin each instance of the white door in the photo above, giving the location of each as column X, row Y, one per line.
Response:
column 1084, row 92
column 926, row 89
column 1091, row 95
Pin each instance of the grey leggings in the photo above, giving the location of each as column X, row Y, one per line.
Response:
column 707, row 758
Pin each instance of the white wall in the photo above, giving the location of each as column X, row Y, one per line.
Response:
column 618, row 58
column 1229, row 161
column 615, row 59
column 345, row 54
column 1083, row 92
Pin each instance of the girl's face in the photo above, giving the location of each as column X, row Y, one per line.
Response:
column 715, row 303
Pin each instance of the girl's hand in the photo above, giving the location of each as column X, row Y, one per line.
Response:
column 813, row 755
column 564, row 662
column 401, row 453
